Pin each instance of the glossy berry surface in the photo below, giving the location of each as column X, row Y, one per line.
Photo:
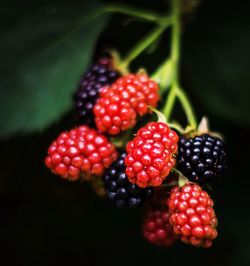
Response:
column 99, row 75
column 119, row 190
column 119, row 105
column 192, row 215
column 150, row 155
column 202, row 158
column 80, row 153
column 157, row 229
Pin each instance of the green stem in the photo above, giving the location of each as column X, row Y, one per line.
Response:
column 175, row 90
column 177, row 127
column 175, row 41
column 161, row 117
column 182, row 180
column 168, row 107
column 187, row 108
column 135, row 12
column 162, row 76
column 145, row 42
column 174, row 57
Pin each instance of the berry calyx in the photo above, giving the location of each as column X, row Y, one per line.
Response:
column 119, row 190
column 99, row 75
column 192, row 215
column 202, row 158
column 150, row 155
column 157, row 229
column 119, row 105
column 81, row 152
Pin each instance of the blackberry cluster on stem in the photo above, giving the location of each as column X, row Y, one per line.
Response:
column 186, row 212
column 119, row 190
column 99, row 75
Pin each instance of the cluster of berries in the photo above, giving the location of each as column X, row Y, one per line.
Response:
column 144, row 171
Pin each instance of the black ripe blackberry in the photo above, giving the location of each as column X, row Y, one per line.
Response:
column 119, row 190
column 100, row 74
column 202, row 158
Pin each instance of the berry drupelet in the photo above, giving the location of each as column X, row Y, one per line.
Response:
column 99, row 75
column 192, row 215
column 202, row 158
column 119, row 190
column 80, row 153
column 151, row 154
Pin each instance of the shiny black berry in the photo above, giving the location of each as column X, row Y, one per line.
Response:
column 202, row 158
column 100, row 74
column 119, row 190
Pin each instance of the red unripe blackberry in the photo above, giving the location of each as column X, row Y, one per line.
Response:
column 157, row 229
column 192, row 215
column 99, row 75
column 80, row 153
column 202, row 158
column 150, row 155
column 119, row 190
column 118, row 106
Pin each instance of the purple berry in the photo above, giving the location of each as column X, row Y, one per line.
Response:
column 99, row 74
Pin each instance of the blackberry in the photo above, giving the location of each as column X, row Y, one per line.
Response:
column 192, row 215
column 202, row 158
column 151, row 154
column 81, row 153
column 157, row 229
column 119, row 105
column 99, row 75
column 120, row 190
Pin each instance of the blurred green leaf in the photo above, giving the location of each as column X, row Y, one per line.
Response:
column 216, row 58
column 45, row 47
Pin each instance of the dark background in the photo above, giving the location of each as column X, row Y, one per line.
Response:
column 45, row 221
